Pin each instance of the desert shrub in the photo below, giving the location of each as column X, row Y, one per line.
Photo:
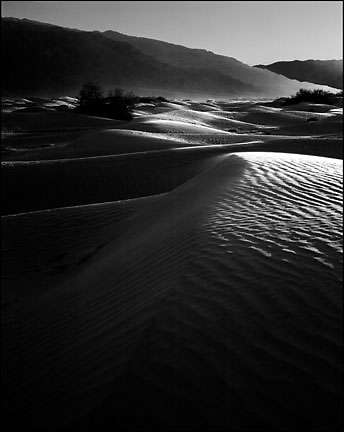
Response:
column 120, row 104
column 116, row 105
column 90, row 96
column 314, row 96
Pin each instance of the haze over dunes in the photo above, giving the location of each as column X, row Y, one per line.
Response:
column 258, row 32
column 43, row 59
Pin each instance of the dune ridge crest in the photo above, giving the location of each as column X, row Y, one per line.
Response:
column 210, row 304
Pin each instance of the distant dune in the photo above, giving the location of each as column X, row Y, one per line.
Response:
column 215, row 305
column 182, row 270
column 56, row 159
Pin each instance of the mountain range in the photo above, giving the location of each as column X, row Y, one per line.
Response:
column 325, row 72
column 47, row 60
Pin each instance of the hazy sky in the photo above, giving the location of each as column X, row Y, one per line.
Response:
column 251, row 31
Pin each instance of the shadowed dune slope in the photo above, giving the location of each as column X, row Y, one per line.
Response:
column 217, row 306
column 66, row 238
column 31, row 185
column 96, row 143
column 46, row 184
column 54, row 121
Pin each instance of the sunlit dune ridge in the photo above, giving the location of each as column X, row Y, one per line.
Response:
column 218, row 304
column 33, row 133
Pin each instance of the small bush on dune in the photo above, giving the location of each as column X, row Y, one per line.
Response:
column 116, row 105
column 120, row 104
column 90, row 96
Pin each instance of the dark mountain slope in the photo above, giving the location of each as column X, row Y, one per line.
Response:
column 182, row 57
column 325, row 72
column 46, row 60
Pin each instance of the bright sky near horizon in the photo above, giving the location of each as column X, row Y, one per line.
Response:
column 251, row 31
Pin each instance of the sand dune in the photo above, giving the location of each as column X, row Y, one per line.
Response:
column 98, row 143
column 217, row 305
column 322, row 127
column 311, row 107
column 324, row 145
column 207, row 119
column 25, row 131
column 53, row 121
column 157, row 273
column 241, row 117
column 168, row 125
column 71, row 155
column 273, row 116
column 45, row 184
column 66, row 237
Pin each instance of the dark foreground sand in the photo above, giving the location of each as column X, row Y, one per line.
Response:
column 215, row 305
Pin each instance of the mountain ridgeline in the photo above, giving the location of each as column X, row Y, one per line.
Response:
column 325, row 72
column 41, row 59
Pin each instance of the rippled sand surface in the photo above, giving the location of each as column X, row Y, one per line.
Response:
column 218, row 305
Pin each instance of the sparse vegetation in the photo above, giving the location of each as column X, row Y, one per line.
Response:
column 317, row 96
column 117, row 105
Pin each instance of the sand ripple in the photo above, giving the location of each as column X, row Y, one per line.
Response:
column 218, row 306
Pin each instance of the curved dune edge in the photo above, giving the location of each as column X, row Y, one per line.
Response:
column 67, row 237
column 105, row 142
column 224, row 295
column 98, row 179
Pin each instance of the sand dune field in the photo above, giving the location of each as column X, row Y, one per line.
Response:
column 185, row 267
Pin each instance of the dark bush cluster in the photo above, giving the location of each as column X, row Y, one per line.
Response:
column 314, row 96
column 117, row 105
